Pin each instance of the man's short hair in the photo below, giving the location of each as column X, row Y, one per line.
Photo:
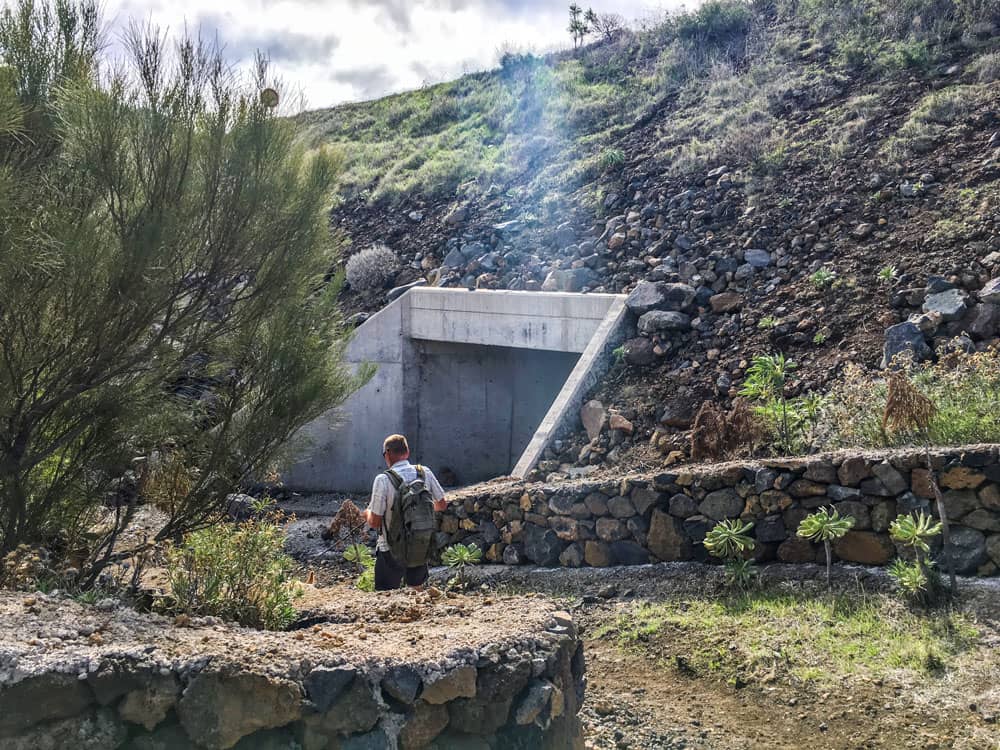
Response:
column 395, row 445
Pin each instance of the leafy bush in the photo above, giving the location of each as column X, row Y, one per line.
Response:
column 157, row 231
column 372, row 267
column 793, row 421
column 237, row 572
column 364, row 561
column 964, row 388
column 610, row 158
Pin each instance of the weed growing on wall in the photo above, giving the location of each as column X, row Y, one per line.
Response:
column 729, row 540
column 826, row 526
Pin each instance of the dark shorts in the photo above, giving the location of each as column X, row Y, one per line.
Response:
column 389, row 575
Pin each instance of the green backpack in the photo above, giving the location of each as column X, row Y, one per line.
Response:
column 410, row 532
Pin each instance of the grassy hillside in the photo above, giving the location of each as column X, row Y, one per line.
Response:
column 727, row 72
column 801, row 175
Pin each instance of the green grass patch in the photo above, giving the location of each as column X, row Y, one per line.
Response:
column 822, row 639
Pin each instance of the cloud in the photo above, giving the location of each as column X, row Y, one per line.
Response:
column 280, row 45
column 367, row 82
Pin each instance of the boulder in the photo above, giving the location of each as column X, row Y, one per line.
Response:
column 42, row 698
column 722, row 504
column 425, row 723
column 852, row 471
column 639, row 352
column 950, row 304
column 594, row 417
column 991, row 292
column 661, row 321
column 757, row 258
column 683, row 506
column 864, row 547
column 890, row 477
column 217, row 710
column 725, row 302
column 993, row 548
column 324, row 685
column 644, row 498
column 796, row 550
column 572, row 556
column 542, row 546
column 983, row 519
column 904, row 339
column 677, row 297
column 597, row 554
column 959, row 503
column 962, row 478
column 770, row 529
column 458, row 683
column 150, row 705
column 666, row 538
column 402, row 683
column 966, row 552
column 629, row 553
column 983, row 321
column 678, row 413
column 94, row 730
column 535, row 700
column 621, row 507
column 646, row 296
column 611, row 529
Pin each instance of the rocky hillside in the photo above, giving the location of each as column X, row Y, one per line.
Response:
column 820, row 179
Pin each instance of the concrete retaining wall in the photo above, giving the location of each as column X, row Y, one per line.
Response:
column 479, row 381
column 644, row 518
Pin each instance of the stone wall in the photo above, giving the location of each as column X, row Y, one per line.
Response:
column 662, row 517
column 520, row 693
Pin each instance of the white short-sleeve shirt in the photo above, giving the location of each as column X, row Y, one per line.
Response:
column 383, row 493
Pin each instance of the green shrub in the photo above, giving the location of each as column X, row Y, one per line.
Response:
column 364, row 561
column 987, row 68
column 611, row 158
column 965, row 389
column 793, row 422
column 237, row 572
column 371, row 268
column 822, row 278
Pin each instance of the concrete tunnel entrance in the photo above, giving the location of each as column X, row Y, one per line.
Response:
column 480, row 382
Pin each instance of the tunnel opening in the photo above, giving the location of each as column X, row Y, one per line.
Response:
column 480, row 382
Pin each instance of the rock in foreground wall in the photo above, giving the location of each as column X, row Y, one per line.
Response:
column 146, row 685
column 663, row 517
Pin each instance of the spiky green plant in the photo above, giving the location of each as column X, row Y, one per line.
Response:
column 729, row 540
column 887, row 275
column 825, row 525
column 458, row 557
column 739, row 572
column 915, row 532
column 767, row 323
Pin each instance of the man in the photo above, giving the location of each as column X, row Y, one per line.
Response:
column 389, row 573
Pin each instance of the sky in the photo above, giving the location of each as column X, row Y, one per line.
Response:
column 335, row 51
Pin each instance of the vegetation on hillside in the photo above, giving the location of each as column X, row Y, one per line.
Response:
column 547, row 124
column 163, row 247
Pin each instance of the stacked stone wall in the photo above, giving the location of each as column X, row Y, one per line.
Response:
column 663, row 517
column 521, row 693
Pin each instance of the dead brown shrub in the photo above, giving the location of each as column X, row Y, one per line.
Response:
column 718, row 434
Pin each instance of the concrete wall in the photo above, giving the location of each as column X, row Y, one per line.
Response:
column 478, row 406
column 524, row 346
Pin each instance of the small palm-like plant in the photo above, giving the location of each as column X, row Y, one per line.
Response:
column 915, row 532
column 729, row 540
column 888, row 275
column 458, row 557
column 825, row 525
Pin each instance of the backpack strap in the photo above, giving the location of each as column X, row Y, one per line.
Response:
column 420, row 472
column 397, row 481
